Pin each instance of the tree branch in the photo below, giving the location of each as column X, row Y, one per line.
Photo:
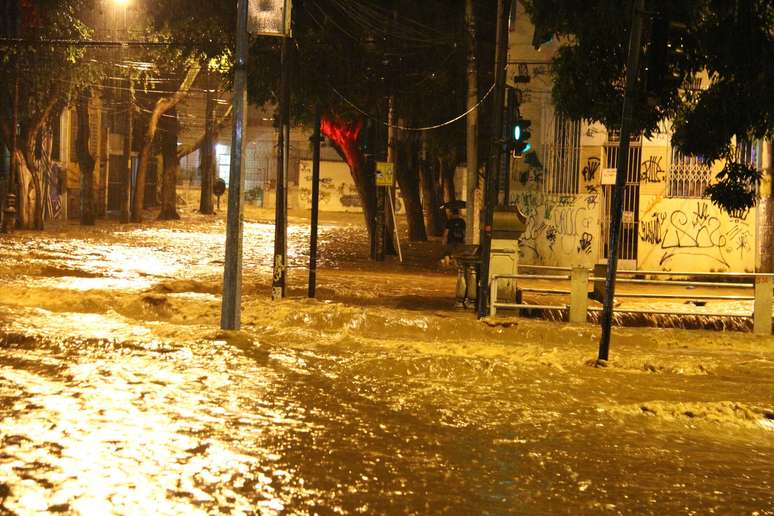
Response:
column 188, row 149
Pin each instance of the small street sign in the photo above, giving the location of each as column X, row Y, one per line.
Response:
column 385, row 173
column 608, row 176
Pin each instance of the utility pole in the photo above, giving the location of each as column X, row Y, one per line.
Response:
column 207, row 156
column 472, row 126
column 126, row 172
column 315, row 203
column 630, row 97
column 279, row 280
column 232, row 274
column 493, row 166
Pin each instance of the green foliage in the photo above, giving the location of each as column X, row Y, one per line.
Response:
column 732, row 41
column 735, row 189
column 47, row 71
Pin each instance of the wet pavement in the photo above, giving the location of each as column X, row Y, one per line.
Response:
column 119, row 394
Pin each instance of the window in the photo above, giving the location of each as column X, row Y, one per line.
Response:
column 561, row 156
column 223, row 159
column 688, row 176
column 748, row 152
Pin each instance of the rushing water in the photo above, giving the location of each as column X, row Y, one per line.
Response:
column 118, row 392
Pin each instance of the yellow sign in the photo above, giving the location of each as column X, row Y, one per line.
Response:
column 384, row 173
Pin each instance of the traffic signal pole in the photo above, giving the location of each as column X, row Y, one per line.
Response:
column 630, row 96
column 496, row 146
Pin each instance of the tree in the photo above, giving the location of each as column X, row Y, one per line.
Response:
column 352, row 57
column 170, row 127
column 47, row 76
column 160, row 107
column 85, row 159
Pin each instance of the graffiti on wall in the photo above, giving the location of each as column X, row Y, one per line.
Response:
column 590, row 170
column 651, row 170
column 696, row 231
column 557, row 226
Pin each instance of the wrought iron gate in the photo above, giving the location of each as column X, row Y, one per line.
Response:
column 627, row 247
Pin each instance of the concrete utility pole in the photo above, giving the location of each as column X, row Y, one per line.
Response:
column 279, row 280
column 207, row 156
column 496, row 146
column 630, row 97
column 472, row 127
column 232, row 274
column 126, row 169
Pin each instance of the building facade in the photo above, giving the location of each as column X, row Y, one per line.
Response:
column 565, row 188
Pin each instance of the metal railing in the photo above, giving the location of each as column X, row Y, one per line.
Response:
column 579, row 277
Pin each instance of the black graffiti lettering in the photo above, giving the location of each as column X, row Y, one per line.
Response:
column 651, row 171
column 652, row 231
column 551, row 236
column 700, row 236
column 584, row 244
column 701, row 214
column 566, row 200
column 590, row 170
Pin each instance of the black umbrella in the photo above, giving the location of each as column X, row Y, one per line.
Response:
column 453, row 205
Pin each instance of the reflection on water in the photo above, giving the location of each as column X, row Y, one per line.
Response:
column 118, row 393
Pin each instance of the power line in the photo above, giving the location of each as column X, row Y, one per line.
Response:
column 417, row 129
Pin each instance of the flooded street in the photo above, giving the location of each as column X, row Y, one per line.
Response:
column 118, row 393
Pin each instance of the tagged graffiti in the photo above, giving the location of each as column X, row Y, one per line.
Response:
column 566, row 200
column 551, row 236
column 590, row 170
column 652, row 230
column 584, row 245
column 556, row 225
column 651, row 171
column 696, row 233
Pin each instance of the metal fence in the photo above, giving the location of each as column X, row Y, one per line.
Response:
column 578, row 309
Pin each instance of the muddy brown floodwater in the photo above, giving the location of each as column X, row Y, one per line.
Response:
column 119, row 394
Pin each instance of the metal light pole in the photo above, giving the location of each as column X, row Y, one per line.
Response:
column 279, row 278
column 232, row 274
column 630, row 95
column 315, row 203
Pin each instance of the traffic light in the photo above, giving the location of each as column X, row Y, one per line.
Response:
column 521, row 136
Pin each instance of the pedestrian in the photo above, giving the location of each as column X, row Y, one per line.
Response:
column 453, row 236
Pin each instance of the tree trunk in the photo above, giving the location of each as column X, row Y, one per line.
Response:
column 162, row 105
column 37, row 184
column 471, row 211
column 407, row 175
column 766, row 217
column 85, row 160
column 171, row 165
column 344, row 138
column 446, row 167
column 432, row 193
column 207, row 161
